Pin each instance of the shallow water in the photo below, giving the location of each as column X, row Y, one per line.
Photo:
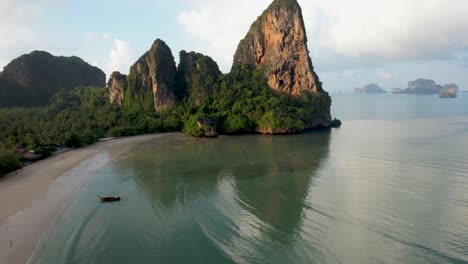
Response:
column 390, row 186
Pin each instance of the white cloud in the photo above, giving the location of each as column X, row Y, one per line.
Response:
column 393, row 29
column 120, row 57
column 16, row 20
column 221, row 24
column 383, row 30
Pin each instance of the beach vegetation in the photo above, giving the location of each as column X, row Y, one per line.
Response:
column 9, row 161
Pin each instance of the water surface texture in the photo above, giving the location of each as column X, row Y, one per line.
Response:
column 390, row 186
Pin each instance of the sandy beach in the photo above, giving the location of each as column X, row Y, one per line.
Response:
column 33, row 198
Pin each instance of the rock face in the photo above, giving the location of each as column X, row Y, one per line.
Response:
column 32, row 79
column 277, row 41
column 423, row 86
column 200, row 76
column 154, row 73
column 208, row 127
column 336, row 123
column 449, row 91
column 397, row 91
column 116, row 85
column 370, row 89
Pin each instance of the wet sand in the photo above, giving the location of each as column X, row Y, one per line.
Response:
column 33, row 198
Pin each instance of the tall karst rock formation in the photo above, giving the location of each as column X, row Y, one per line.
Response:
column 117, row 85
column 156, row 70
column 155, row 74
column 278, row 41
column 150, row 81
column 201, row 75
column 240, row 101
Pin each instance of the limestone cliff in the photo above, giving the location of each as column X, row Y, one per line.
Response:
column 271, row 89
column 154, row 73
column 33, row 79
column 278, row 41
column 116, row 85
column 201, row 76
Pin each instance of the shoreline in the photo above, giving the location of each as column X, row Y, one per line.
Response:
column 34, row 198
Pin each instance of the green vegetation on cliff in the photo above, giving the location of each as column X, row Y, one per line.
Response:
column 151, row 80
column 202, row 77
column 245, row 104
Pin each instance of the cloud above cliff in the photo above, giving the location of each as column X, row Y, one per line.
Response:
column 22, row 32
column 384, row 30
column 220, row 24
column 16, row 18
column 120, row 57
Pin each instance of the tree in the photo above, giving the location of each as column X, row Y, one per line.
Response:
column 9, row 161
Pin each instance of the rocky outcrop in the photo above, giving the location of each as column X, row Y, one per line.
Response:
column 335, row 123
column 154, row 73
column 397, row 91
column 116, row 85
column 207, row 127
column 200, row 74
column 32, row 79
column 370, row 89
column 423, row 86
column 277, row 41
column 278, row 130
column 449, row 91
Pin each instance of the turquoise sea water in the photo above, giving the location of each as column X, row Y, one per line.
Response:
column 389, row 186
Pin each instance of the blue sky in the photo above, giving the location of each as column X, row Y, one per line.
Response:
column 352, row 43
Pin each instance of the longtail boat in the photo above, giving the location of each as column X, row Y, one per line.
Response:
column 109, row 199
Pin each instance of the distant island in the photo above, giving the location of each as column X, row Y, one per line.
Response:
column 428, row 87
column 449, row 91
column 272, row 88
column 370, row 89
column 423, row 86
